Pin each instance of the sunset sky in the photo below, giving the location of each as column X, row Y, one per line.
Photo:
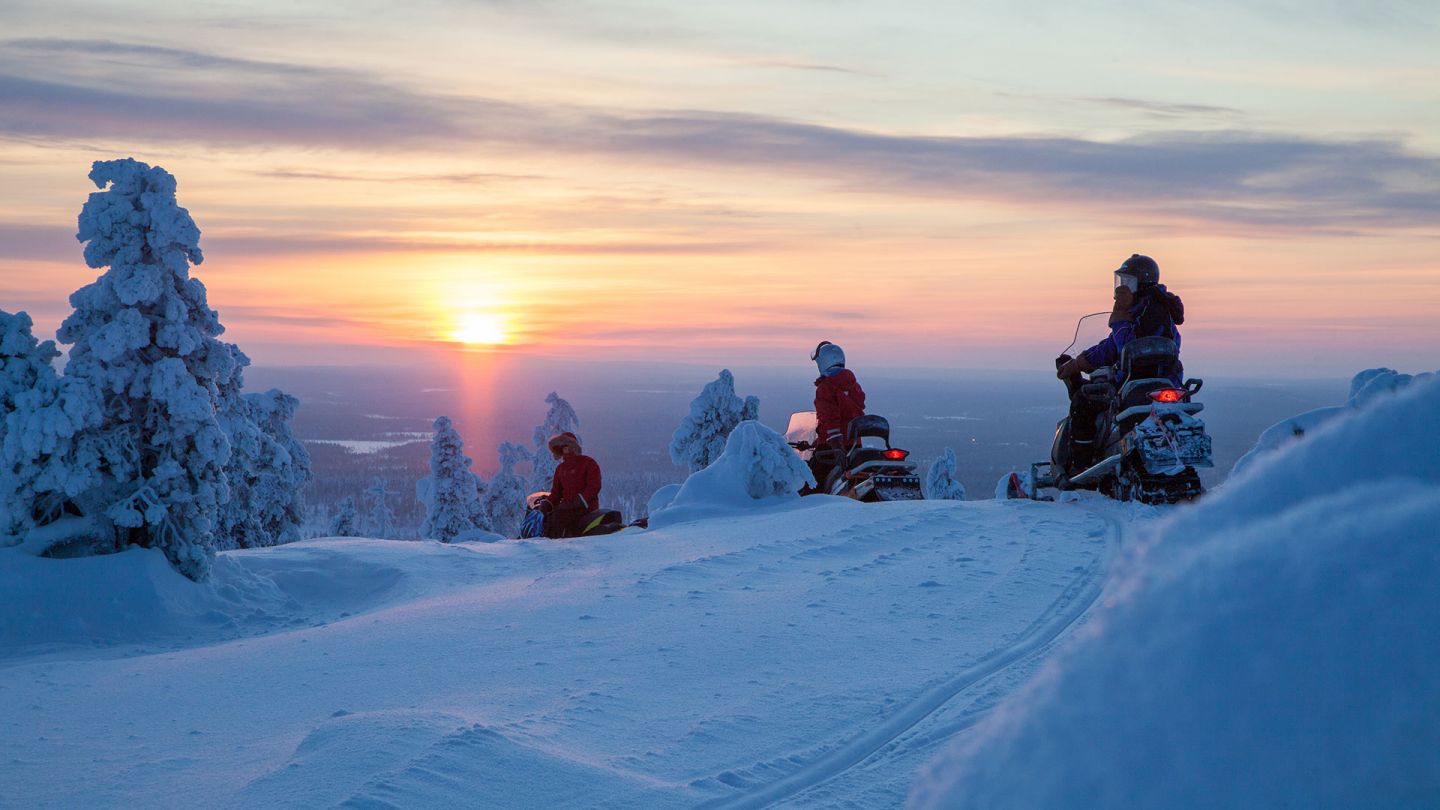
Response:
column 926, row 183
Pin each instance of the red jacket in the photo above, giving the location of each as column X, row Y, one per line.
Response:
column 577, row 476
column 838, row 399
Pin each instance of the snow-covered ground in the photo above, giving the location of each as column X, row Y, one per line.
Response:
column 1276, row 644
column 816, row 650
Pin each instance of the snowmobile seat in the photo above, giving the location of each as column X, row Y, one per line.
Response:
column 601, row 521
column 869, row 425
column 1150, row 358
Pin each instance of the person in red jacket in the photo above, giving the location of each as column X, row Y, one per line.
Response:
column 574, row 491
column 838, row 399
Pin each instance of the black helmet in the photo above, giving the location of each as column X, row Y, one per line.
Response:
column 1142, row 268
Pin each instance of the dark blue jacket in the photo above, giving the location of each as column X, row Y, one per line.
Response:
column 1156, row 311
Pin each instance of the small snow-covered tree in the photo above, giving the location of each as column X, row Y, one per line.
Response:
column 700, row 438
column 504, row 500
column 451, row 493
column 382, row 517
column 941, row 483
column 28, row 385
column 751, row 410
column 148, row 468
column 560, row 418
column 346, row 522
column 278, row 484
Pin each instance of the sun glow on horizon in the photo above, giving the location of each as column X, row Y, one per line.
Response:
column 480, row 329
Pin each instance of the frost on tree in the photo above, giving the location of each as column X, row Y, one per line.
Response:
column 504, row 500
column 750, row 411
column 28, row 388
column 275, row 485
column 148, row 467
column 382, row 518
column 700, row 438
column 451, row 493
column 268, row 467
column 941, row 482
column 560, row 418
column 346, row 522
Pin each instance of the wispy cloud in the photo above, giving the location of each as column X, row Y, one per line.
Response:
column 1163, row 109
column 455, row 178
column 47, row 243
column 1234, row 177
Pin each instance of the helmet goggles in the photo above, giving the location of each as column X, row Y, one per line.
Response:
column 1129, row 282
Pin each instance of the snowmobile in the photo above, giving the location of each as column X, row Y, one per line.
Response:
column 871, row 470
column 597, row 522
column 1148, row 438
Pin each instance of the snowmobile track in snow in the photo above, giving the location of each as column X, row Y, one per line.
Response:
column 1063, row 614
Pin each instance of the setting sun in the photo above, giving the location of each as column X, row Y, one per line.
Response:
column 480, row 328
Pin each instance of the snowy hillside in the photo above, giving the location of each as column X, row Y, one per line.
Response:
column 733, row 660
column 1274, row 645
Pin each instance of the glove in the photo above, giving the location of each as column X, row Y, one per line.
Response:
column 545, row 506
column 1074, row 367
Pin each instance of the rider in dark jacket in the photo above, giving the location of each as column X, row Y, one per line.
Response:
column 1143, row 308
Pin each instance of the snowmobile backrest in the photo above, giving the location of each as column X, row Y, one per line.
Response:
column 1154, row 356
column 869, row 425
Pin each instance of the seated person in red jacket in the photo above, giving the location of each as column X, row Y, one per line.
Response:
column 838, row 399
column 574, row 491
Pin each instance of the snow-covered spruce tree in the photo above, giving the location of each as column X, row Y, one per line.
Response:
column 940, row 482
column 382, row 517
column 560, row 418
column 346, row 522
column 504, row 500
column 700, row 438
column 451, row 493
column 277, row 483
column 144, row 349
column 28, row 383
column 750, row 412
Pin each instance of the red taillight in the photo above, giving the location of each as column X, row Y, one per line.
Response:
column 1167, row 395
column 895, row 454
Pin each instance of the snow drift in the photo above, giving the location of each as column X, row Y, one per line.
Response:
column 1365, row 388
column 757, row 469
column 1276, row 645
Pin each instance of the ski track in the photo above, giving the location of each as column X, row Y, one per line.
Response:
column 1037, row 641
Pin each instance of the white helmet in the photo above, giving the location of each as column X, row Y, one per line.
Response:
column 827, row 355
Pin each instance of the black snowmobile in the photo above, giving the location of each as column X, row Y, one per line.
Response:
column 1148, row 438
column 597, row 522
column 871, row 470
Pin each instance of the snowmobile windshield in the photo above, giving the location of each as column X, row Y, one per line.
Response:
column 1089, row 330
column 802, row 427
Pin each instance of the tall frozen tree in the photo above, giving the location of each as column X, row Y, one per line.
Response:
column 504, row 499
column 700, row 438
column 451, row 493
column 382, row 518
column 149, row 466
column 941, row 482
column 346, row 522
column 560, row 418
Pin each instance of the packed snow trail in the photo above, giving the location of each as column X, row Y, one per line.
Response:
column 669, row 668
column 1060, row 617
